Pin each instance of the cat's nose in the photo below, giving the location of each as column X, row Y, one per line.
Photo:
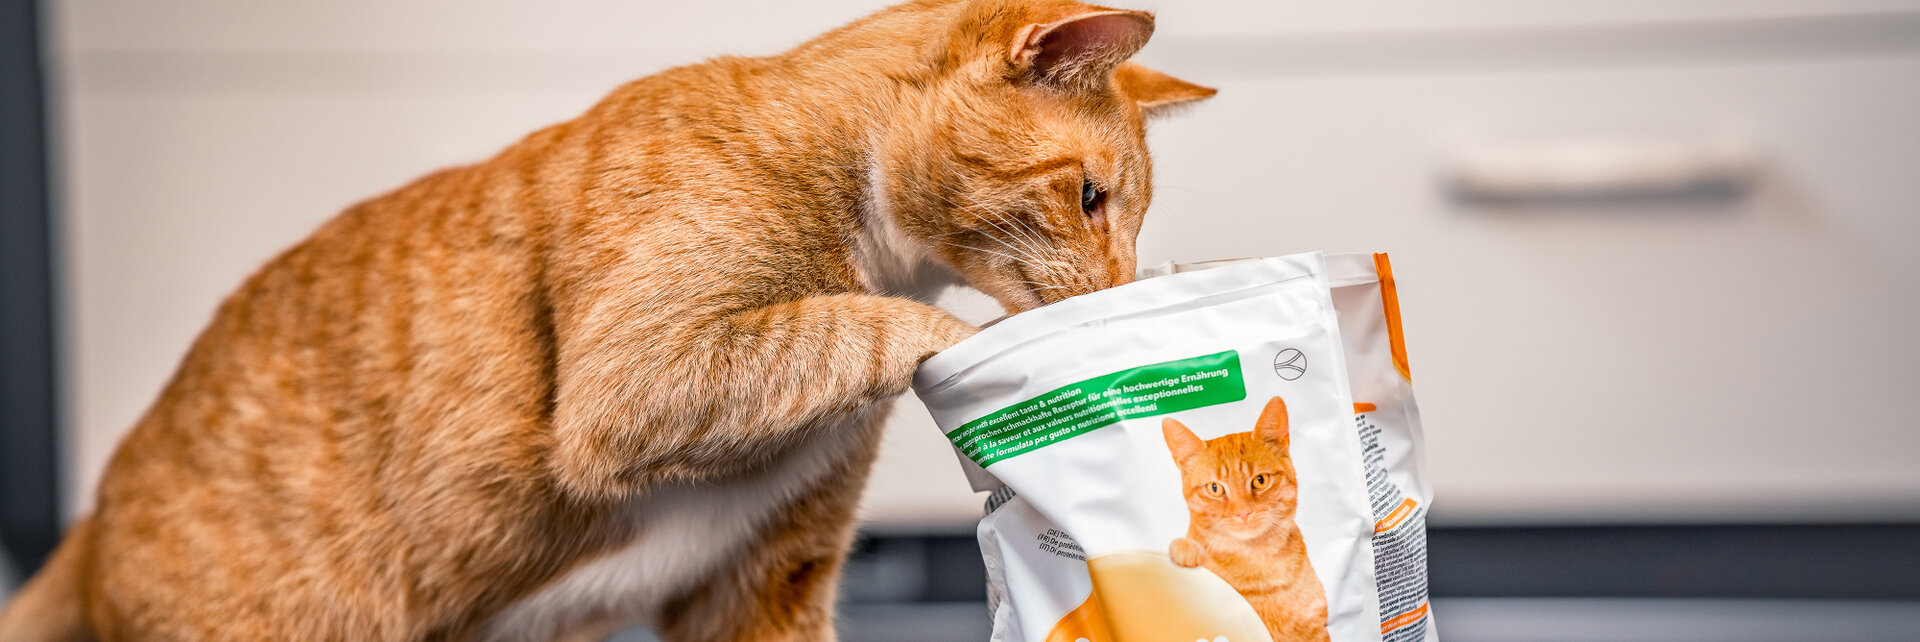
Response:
column 1245, row 517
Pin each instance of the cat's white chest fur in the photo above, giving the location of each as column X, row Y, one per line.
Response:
column 886, row 260
column 682, row 534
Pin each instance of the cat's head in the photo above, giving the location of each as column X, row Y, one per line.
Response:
column 1240, row 485
column 1022, row 162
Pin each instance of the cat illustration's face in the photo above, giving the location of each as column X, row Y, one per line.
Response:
column 1025, row 168
column 1240, row 485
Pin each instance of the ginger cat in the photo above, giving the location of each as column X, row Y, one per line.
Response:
column 1242, row 493
column 633, row 368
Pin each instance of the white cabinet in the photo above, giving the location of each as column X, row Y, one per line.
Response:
column 1701, row 358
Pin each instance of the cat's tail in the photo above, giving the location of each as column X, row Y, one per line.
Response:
column 52, row 607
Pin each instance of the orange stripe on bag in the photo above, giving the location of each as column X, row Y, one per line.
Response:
column 1391, row 299
column 1364, row 407
column 1404, row 619
column 1394, row 518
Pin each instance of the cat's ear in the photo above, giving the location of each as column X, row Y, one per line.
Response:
column 1181, row 441
column 1272, row 425
column 1080, row 51
column 1157, row 94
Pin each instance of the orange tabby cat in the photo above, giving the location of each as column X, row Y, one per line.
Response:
column 631, row 369
column 1242, row 493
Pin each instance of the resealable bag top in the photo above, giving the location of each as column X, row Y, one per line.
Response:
column 1184, row 458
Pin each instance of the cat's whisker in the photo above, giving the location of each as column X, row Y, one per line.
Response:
column 1028, row 248
column 1026, row 234
column 1031, row 256
column 1020, row 230
column 1025, row 250
column 1021, row 224
column 1015, row 228
column 1009, row 257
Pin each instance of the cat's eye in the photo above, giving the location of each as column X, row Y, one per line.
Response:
column 1091, row 197
column 1215, row 489
column 1261, row 480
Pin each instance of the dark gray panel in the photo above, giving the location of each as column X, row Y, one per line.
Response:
column 29, row 478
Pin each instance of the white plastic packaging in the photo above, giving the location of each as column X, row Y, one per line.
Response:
column 1183, row 458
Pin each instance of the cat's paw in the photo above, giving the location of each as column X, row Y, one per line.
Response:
column 948, row 330
column 1184, row 552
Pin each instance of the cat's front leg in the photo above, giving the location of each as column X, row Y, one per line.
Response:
column 1186, row 552
column 688, row 401
column 781, row 586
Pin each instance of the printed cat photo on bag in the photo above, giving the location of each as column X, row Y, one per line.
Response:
column 1242, row 493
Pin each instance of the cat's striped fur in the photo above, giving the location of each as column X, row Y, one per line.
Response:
column 628, row 369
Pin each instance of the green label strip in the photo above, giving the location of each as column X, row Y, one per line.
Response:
column 1078, row 408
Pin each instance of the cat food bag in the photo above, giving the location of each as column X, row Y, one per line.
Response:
column 1366, row 301
column 1183, row 458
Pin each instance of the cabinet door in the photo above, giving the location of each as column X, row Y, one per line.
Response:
column 1740, row 354
column 1700, row 357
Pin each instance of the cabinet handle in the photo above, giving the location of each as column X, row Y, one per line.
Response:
column 1579, row 169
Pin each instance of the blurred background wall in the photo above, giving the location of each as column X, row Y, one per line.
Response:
column 1660, row 260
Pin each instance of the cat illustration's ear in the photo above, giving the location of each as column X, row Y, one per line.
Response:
column 1157, row 94
column 1182, row 442
column 1080, row 51
column 1272, row 425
